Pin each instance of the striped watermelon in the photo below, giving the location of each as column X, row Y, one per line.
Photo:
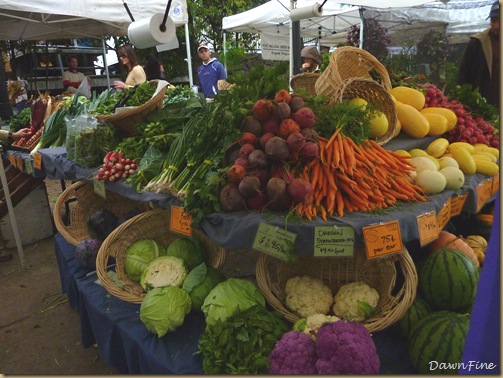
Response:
column 448, row 279
column 436, row 343
column 418, row 310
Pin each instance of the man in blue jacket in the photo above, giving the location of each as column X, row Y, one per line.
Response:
column 210, row 72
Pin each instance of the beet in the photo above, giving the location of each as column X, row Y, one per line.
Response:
column 310, row 134
column 287, row 127
column 264, row 138
column 231, row 199
column 300, row 190
column 310, row 151
column 257, row 202
column 245, row 150
column 282, row 96
column 263, row 175
column 236, row 173
column 277, row 193
column 295, row 142
column 252, row 125
column 262, row 109
column 249, row 186
column 257, row 159
column 304, row 117
column 270, row 126
column 248, row 137
column 281, row 111
column 244, row 162
column 276, row 149
column 296, row 103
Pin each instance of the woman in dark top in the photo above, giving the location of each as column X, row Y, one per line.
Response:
column 153, row 68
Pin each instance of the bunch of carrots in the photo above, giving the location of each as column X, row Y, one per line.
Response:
column 351, row 177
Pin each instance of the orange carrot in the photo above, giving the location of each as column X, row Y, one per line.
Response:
column 349, row 155
column 339, row 203
column 334, row 135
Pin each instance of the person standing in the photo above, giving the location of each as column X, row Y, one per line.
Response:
column 72, row 78
column 480, row 65
column 5, row 71
column 153, row 68
column 209, row 72
column 135, row 72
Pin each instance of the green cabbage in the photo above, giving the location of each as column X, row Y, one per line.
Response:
column 189, row 249
column 164, row 271
column 230, row 296
column 163, row 309
column 139, row 255
column 199, row 282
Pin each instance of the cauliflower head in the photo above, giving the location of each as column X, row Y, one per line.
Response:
column 345, row 347
column 312, row 323
column 294, row 353
column 308, row 296
column 355, row 301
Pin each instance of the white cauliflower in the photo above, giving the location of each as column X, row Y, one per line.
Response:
column 355, row 301
column 314, row 322
column 308, row 296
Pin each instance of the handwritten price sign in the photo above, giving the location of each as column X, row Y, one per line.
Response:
column 382, row 239
column 496, row 185
column 334, row 241
column 275, row 241
column 457, row 204
column 12, row 159
column 99, row 188
column 428, row 227
column 444, row 215
column 484, row 190
column 180, row 221
column 37, row 161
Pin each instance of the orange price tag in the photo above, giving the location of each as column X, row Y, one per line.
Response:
column 457, row 204
column 20, row 163
column 483, row 193
column 496, row 185
column 180, row 221
column 382, row 239
column 428, row 227
column 444, row 215
column 37, row 161
column 12, row 159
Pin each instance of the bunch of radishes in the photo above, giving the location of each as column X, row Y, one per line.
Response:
column 116, row 167
column 468, row 129
column 277, row 136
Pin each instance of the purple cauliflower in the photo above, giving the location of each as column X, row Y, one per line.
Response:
column 346, row 347
column 294, row 353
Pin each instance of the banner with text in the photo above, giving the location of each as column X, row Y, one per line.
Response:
column 275, row 47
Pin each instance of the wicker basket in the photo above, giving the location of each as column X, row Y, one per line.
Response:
column 305, row 80
column 82, row 201
column 381, row 274
column 372, row 92
column 125, row 119
column 152, row 224
column 347, row 62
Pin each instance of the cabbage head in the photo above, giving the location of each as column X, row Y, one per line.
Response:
column 164, row 271
column 199, row 283
column 229, row 297
column 139, row 255
column 189, row 249
column 163, row 309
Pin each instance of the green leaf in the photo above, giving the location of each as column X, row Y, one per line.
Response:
column 366, row 309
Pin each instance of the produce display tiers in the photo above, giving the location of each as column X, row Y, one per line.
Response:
column 237, row 230
column 126, row 344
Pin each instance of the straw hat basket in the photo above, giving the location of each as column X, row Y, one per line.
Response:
column 381, row 274
column 372, row 92
column 125, row 119
column 81, row 201
column 152, row 224
column 306, row 80
column 347, row 62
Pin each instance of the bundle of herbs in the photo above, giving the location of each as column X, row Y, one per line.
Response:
column 92, row 144
column 107, row 101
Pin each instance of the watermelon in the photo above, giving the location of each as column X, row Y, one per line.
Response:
column 436, row 343
column 448, row 279
column 418, row 310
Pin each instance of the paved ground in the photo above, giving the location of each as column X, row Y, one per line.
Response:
column 39, row 331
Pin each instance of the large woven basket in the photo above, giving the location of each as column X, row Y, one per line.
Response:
column 153, row 224
column 126, row 119
column 373, row 93
column 381, row 274
column 347, row 62
column 306, row 80
column 81, row 201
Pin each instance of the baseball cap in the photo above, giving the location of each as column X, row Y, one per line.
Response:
column 202, row 45
column 495, row 10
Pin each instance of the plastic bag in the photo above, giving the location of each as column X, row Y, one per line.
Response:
column 74, row 126
column 84, row 89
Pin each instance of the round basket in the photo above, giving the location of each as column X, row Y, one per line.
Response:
column 372, row 92
column 305, row 80
column 153, row 224
column 82, row 201
column 125, row 119
column 381, row 274
column 347, row 62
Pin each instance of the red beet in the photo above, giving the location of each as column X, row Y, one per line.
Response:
column 300, row 190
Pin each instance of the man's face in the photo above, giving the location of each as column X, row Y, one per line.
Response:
column 73, row 64
column 204, row 54
column 495, row 25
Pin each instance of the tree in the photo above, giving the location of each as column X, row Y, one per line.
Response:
column 375, row 37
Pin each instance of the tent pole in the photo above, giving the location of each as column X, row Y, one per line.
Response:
column 225, row 50
column 105, row 60
column 362, row 19
column 189, row 55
